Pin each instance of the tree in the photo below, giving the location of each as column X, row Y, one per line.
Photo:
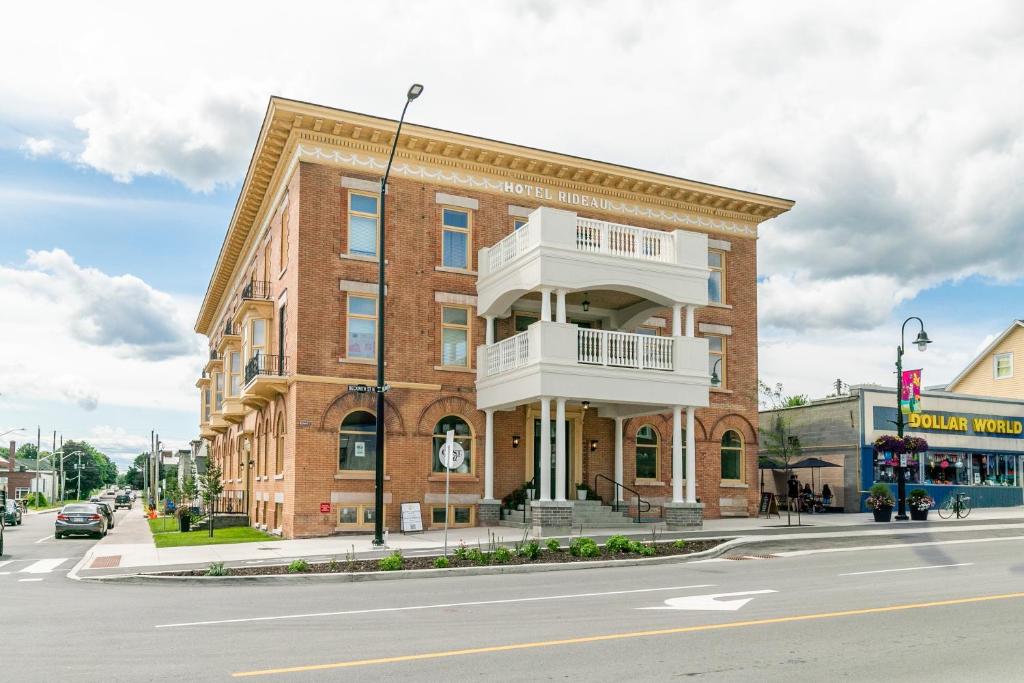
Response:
column 27, row 451
column 189, row 491
column 782, row 445
column 97, row 470
column 775, row 397
column 212, row 488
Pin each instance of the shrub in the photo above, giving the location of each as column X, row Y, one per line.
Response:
column 477, row 556
column 553, row 545
column 530, row 549
column 333, row 565
column 502, row 555
column 462, row 552
column 679, row 545
column 879, row 497
column 919, row 499
column 584, row 547
column 216, row 569
column 618, row 544
column 392, row 562
column 644, row 549
column 298, row 567
column 441, row 562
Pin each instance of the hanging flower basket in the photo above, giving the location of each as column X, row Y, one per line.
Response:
column 888, row 443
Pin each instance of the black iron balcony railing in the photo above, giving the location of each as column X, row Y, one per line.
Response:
column 213, row 354
column 263, row 364
column 228, row 327
column 256, row 289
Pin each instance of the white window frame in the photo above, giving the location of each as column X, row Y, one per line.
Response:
column 995, row 365
column 468, row 231
column 349, row 316
column 362, row 214
column 466, row 328
column 718, row 269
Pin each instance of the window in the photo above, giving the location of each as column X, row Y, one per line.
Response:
column 362, row 224
column 455, row 227
column 647, row 453
column 455, row 336
column 732, row 456
column 259, row 336
column 357, row 442
column 266, row 263
column 283, row 260
column 648, row 331
column 463, row 436
column 462, row 515
column 716, row 353
column 518, row 223
column 1003, row 365
column 357, row 516
column 524, row 320
column 361, row 327
column 218, row 391
column 258, row 443
column 206, row 404
column 716, row 281
column 266, row 448
column 234, row 361
column 21, row 492
column 278, row 515
column 279, row 447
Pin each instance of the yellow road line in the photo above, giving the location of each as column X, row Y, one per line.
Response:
column 624, row 636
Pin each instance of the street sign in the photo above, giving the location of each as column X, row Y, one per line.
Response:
column 325, row 508
column 360, row 388
column 412, row 517
column 903, row 459
column 452, row 455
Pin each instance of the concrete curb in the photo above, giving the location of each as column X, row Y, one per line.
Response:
column 356, row 577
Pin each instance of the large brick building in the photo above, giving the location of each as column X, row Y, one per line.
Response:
column 522, row 285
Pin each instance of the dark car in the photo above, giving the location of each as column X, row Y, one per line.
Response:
column 80, row 518
column 123, row 500
column 107, row 512
column 12, row 512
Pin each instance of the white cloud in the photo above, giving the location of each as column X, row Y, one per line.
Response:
column 38, row 147
column 93, row 339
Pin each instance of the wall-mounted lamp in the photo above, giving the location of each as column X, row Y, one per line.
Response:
column 515, row 441
column 586, row 404
column 586, row 303
column 593, row 445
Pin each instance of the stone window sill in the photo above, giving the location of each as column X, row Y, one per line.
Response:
column 279, row 476
column 359, row 361
column 734, row 485
column 277, row 532
column 361, row 475
column 449, row 269
column 361, row 257
column 719, row 390
column 438, row 476
column 454, row 368
column 712, row 304
column 649, row 482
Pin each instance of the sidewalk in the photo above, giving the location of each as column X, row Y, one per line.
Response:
column 132, row 547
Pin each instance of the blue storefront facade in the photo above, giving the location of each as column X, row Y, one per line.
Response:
column 975, row 446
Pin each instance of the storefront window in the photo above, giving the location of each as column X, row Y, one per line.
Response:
column 886, row 464
column 993, row 470
column 946, row 468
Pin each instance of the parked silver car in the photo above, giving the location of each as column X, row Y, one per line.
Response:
column 80, row 518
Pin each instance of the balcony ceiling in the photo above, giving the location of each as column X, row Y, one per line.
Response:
column 289, row 122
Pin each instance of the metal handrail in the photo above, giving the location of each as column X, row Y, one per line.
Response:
column 615, row 505
column 256, row 289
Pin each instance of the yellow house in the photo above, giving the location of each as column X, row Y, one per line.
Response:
column 992, row 373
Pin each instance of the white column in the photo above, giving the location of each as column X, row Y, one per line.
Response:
column 618, row 457
column 489, row 455
column 489, row 331
column 691, row 458
column 560, row 305
column 545, row 449
column 677, row 455
column 677, row 323
column 545, row 304
column 689, row 321
column 559, row 449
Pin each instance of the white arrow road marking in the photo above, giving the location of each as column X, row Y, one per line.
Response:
column 710, row 602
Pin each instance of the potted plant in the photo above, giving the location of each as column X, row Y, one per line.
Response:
column 880, row 501
column 920, row 502
column 581, row 491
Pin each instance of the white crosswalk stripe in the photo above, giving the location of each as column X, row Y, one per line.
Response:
column 4, row 563
column 44, row 566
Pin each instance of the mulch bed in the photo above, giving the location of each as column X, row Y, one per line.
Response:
column 342, row 565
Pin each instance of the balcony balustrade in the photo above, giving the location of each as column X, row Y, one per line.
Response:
column 256, row 289
column 264, row 364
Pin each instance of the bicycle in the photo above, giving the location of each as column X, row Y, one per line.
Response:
column 958, row 504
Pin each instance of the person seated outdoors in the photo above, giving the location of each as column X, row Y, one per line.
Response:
column 826, row 496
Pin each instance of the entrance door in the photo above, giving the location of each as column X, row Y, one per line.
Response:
column 569, row 457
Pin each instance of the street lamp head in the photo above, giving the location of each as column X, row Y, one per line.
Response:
column 715, row 381
column 922, row 340
column 415, row 90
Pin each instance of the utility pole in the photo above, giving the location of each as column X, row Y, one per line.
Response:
column 39, row 452
column 79, row 475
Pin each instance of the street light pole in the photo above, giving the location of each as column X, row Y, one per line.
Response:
column 378, row 501
column 922, row 342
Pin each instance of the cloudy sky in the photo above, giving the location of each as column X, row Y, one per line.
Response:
column 125, row 133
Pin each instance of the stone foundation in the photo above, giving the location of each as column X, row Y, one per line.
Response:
column 684, row 515
column 551, row 517
column 488, row 512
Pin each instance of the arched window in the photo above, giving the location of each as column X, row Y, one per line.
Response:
column 647, row 453
column 266, row 449
column 357, row 442
column 279, row 447
column 732, row 456
column 463, row 436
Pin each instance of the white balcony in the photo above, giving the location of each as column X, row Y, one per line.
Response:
column 624, row 374
column 560, row 250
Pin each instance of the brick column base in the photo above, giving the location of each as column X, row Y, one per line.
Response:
column 488, row 512
column 551, row 517
column 684, row 515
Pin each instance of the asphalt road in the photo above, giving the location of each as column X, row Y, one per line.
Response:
column 946, row 608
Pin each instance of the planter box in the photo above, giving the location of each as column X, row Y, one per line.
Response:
column 581, row 494
column 918, row 515
column 883, row 514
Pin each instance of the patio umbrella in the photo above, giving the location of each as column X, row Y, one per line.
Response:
column 766, row 463
column 813, row 464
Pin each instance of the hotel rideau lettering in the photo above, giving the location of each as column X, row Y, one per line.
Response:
column 546, row 194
